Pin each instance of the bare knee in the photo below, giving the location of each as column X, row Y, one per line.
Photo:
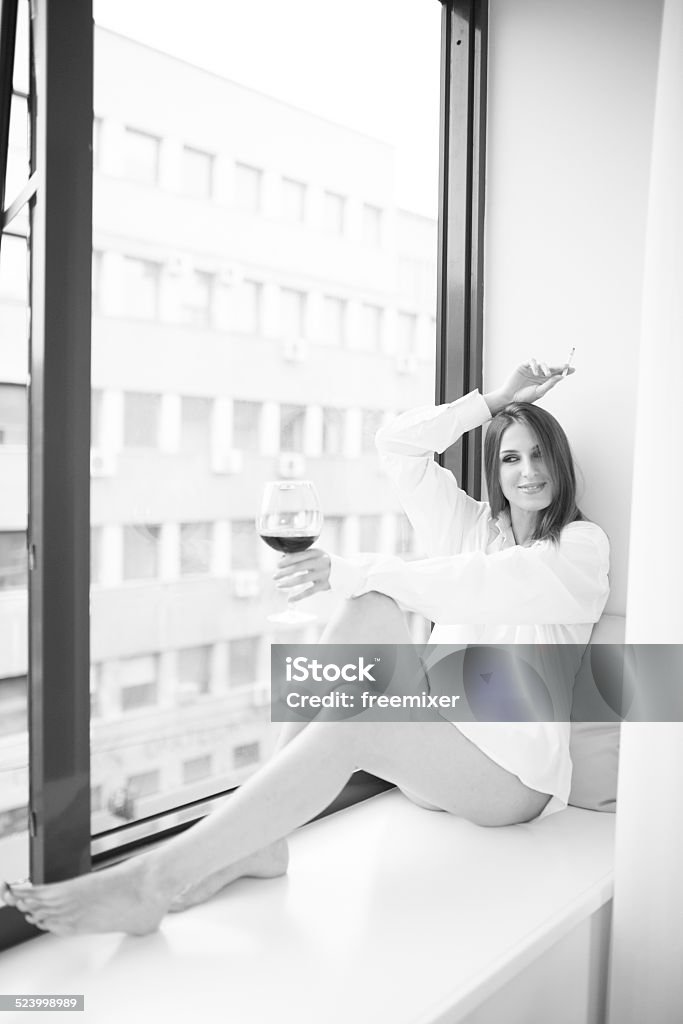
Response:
column 370, row 618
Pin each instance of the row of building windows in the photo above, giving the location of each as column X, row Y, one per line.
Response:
column 169, row 551
column 148, row 159
column 174, row 678
column 195, row 425
column 121, row 800
column 222, row 299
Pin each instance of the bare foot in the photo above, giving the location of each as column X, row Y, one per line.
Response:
column 267, row 863
column 123, row 898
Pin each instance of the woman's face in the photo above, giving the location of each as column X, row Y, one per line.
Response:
column 524, row 478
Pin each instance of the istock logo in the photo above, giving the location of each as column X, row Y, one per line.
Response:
column 301, row 669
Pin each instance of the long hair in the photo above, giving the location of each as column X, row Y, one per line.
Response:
column 557, row 455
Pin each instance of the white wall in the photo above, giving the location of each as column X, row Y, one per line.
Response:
column 571, row 100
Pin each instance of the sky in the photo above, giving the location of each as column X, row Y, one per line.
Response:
column 372, row 65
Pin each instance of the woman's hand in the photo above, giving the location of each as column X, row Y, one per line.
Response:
column 527, row 383
column 309, row 568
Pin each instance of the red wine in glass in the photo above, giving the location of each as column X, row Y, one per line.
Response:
column 290, row 520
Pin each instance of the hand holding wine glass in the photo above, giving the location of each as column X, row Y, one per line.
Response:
column 290, row 521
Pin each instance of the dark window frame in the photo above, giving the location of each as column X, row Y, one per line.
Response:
column 59, row 487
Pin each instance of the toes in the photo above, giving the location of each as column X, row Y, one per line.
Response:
column 7, row 896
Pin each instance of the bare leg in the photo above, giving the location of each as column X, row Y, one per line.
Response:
column 432, row 760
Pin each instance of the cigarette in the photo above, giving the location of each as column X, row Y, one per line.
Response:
column 569, row 363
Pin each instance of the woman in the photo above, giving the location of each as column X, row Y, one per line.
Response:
column 525, row 569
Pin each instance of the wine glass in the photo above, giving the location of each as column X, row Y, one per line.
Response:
column 290, row 520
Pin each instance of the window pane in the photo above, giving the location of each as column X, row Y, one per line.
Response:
column 195, row 433
column 141, row 552
column 244, row 658
column 293, row 195
column 195, row 548
column 247, row 308
column 292, row 427
column 292, row 311
column 140, row 156
column 370, row 338
column 246, row 425
column 334, row 208
column 244, row 546
column 333, row 431
column 197, row 173
column 141, row 280
column 372, row 224
column 298, row 228
column 248, row 184
column 14, row 782
column 334, row 321
column 141, row 424
column 13, row 414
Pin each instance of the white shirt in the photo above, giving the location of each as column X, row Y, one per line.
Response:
column 478, row 585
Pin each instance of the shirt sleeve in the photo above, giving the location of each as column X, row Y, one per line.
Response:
column 441, row 513
column 545, row 583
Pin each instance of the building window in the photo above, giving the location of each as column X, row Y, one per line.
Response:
column 247, row 307
column 371, row 421
column 194, row 669
column 372, row 225
column 246, row 754
column 334, row 212
column 246, row 425
column 141, row 418
column 370, row 336
column 248, row 188
column 141, row 156
column 13, row 560
column 195, row 549
column 369, row 533
column 143, row 784
column 196, row 299
column 13, row 705
column 292, row 313
column 138, row 682
column 243, row 656
column 407, row 334
column 196, row 173
column 292, row 428
column 334, row 320
column 195, row 424
column 141, row 552
column 13, row 414
column 333, row 431
column 331, row 536
column 293, row 196
column 196, row 769
column 141, row 284
column 244, row 545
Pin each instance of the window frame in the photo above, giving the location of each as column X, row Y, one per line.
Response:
column 59, row 417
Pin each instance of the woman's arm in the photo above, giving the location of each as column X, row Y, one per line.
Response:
column 545, row 583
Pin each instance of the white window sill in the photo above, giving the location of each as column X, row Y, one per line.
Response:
column 388, row 913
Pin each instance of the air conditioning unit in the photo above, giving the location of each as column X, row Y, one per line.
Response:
column 294, row 350
column 229, row 275
column 246, row 584
column 229, row 461
column 102, row 463
column 291, row 465
column 179, row 265
column 406, row 364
